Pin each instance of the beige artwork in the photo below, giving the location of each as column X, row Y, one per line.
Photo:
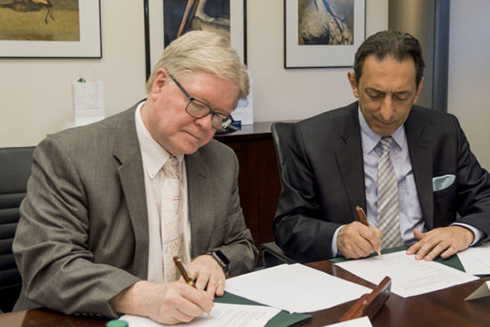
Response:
column 39, row 20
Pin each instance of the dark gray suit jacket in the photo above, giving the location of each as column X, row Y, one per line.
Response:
column 323, row 178
column 83, row 233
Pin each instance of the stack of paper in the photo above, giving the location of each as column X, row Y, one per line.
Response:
column 222, row 315
column 409, row 277
column 476, row 260
column 295, row 288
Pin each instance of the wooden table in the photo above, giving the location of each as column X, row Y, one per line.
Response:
column 445, row 308
column 442, row 308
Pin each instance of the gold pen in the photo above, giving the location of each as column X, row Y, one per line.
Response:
column 363, row 219
column 186, row 275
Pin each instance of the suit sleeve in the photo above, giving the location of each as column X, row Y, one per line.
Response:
column 228, row 232
column 238, row 244
column 300, row 227
column 52, row 247
column 473, row 195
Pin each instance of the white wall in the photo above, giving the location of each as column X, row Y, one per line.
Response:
column 469, row 73
column 36, row 95
column 285, row 94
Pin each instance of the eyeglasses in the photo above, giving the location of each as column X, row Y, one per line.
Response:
column 199, row 109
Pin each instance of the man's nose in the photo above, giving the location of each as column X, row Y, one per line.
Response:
column 387, row 109
column 205, row 122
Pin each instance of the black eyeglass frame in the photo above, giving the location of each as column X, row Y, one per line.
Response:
column 227, row 120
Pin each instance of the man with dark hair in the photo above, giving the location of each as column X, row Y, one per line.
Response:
column 410, row 167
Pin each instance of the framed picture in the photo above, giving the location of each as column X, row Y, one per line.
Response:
column 166, row 19
column 322, row 33
column 50, row 28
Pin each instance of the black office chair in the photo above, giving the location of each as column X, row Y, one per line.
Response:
column 281, row 136
column 15, row 169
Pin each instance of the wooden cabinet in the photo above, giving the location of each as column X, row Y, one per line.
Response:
column 258, row 181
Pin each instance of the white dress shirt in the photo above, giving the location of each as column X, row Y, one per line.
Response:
column 154, row 157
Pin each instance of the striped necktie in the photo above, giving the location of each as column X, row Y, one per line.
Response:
column 388, row 220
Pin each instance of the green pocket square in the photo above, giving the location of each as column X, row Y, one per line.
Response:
column 442, row 182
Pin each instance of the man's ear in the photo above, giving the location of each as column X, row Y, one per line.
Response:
column 353, row 83
column 160, row 80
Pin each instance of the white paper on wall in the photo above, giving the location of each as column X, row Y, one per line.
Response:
column 245, row 109
column 88, row 101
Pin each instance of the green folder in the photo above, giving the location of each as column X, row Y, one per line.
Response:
column 281, row 319
column 452, row 261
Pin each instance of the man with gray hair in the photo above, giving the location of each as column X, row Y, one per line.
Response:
column 109, row 205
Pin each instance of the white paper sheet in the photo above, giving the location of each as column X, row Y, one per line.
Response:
column 476, row 260
column 409, row 277
column 222, row 315
column 88, row 101
column 359, row 322
column 295, row 288
column 244, row 111
column 482, row 291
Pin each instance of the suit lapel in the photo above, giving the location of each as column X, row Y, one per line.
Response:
column 419, row 148
column 127, row 152
column 350, row 160
column 200, row 199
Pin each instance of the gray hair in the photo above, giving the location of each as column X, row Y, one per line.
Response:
column 202, row 51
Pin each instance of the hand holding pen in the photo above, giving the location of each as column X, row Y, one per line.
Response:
column 186, row 274
column 363, row 219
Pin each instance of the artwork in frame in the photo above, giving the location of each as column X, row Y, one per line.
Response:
column 166, row 19
column 50, row 28
column 322, row 33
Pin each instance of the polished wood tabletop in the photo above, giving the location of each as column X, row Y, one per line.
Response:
column 446, row 307
column 442, row 308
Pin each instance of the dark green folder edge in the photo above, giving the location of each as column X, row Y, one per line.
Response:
column 281, row 319
column 452, row 262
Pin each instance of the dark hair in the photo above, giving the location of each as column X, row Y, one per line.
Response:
column 394, row 44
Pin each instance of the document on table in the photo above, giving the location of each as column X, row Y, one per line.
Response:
column 409, row 277
column 482, row 291
column 295, row 288
column 476, row 260
column 223, row 314
column 359, row 322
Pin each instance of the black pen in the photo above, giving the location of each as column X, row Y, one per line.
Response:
column 186, row 275
column 363, row 219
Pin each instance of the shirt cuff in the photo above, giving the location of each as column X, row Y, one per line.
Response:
column 335, row 251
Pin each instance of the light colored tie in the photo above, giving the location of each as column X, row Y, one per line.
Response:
column 171, row 221
column 388, row 220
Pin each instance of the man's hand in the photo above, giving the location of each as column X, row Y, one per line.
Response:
column 356, row 240
column 444, row 241
column 169, row 303
column 208, row 274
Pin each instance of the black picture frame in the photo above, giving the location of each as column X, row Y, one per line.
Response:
column 156, row 37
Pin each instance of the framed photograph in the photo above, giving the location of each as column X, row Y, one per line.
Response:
column 50, row 28
column 322, row 33
column 165, row 20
